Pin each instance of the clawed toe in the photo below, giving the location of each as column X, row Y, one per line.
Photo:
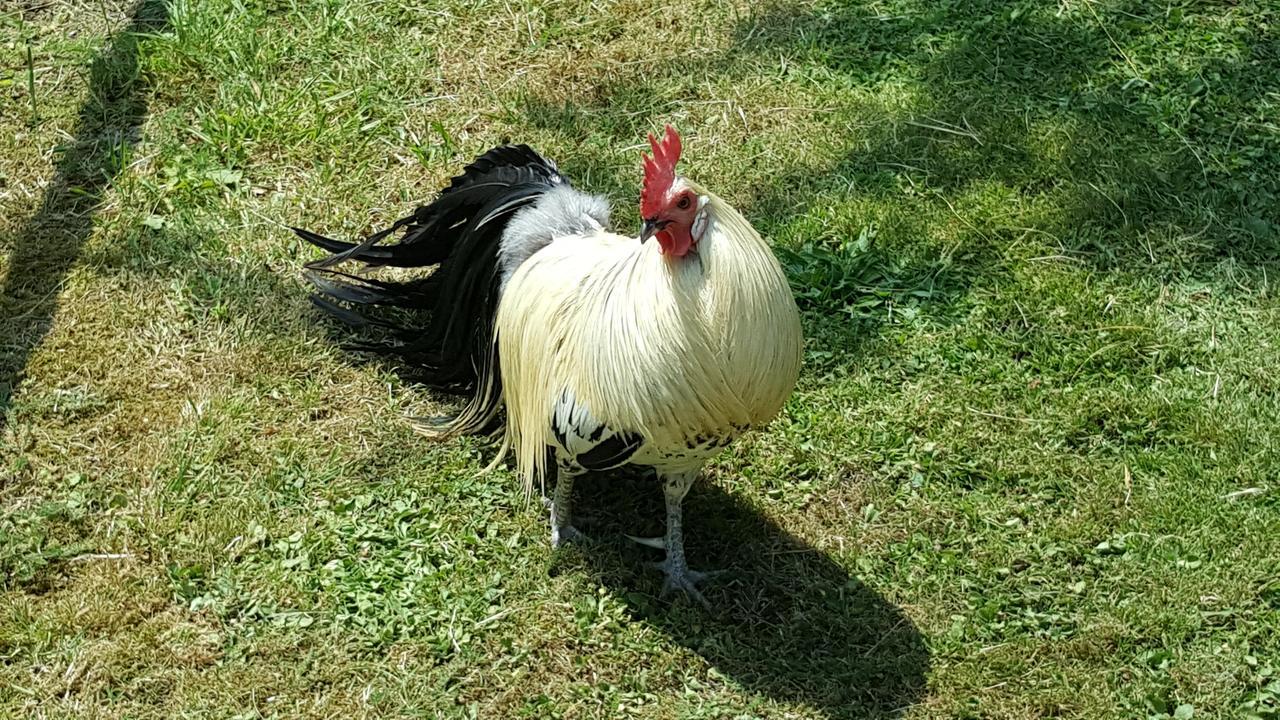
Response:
column 685, row 581
column 566, row 534
column 653, row 542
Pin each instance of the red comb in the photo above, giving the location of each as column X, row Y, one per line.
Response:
column 659, row 171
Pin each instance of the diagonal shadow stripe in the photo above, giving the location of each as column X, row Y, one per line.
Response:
column 48, row 245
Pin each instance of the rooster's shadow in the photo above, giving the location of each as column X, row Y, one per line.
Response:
column 786, row 621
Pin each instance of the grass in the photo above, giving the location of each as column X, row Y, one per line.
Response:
column 1030, row 470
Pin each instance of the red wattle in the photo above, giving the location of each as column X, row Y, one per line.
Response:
column 676, row 242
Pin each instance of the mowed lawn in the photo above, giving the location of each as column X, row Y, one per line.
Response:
column 1032, row 468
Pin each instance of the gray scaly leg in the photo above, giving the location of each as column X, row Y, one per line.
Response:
column 679, row 576
column 562, row 531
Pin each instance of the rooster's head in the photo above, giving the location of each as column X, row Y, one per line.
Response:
column 670, row 206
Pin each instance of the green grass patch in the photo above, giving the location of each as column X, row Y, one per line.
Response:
column 1030, row 470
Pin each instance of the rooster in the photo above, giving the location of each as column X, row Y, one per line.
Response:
column 602, row 349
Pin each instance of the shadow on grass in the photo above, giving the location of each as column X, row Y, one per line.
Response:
column 49, row 244
column 787, row 622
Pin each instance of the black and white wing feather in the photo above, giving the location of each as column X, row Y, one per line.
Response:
column 588, row 443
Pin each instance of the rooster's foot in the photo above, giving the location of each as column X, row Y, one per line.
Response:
column 566, row 534
column 561, row 531
column 685, row 580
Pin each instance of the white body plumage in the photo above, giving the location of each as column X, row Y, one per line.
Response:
column 599, row 334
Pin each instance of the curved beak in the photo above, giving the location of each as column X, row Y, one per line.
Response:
column 652, row 226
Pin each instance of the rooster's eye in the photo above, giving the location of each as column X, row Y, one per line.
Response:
column 684, row 202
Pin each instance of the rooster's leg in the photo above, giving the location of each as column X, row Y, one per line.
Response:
column 562, row 531
column 679, row 576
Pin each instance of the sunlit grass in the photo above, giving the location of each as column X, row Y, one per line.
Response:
column 1030, row 469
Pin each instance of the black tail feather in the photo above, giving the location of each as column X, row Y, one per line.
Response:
column 459, row 234
column 420, row 293
column 348, row 316
column 340, row 249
